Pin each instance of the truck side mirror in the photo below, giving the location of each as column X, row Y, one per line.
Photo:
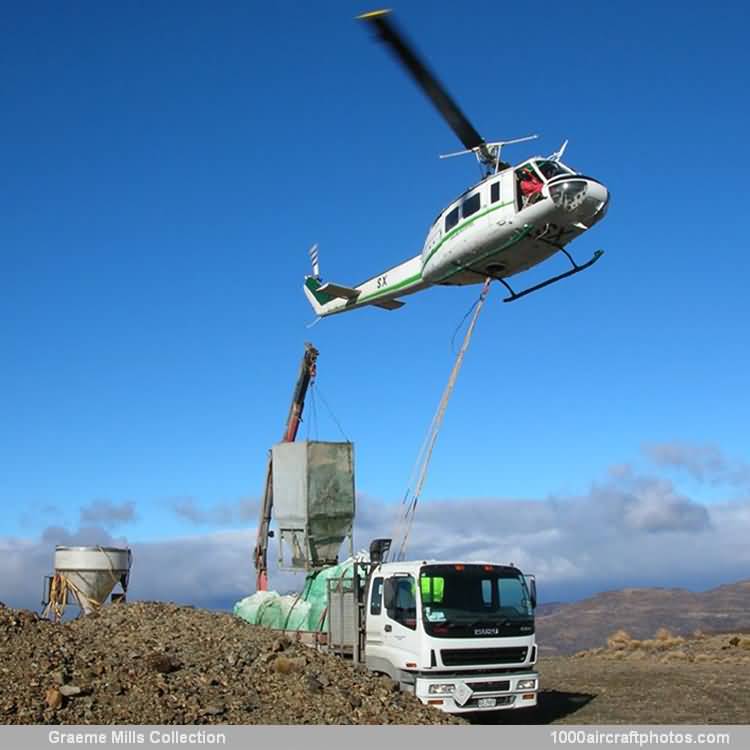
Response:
column 379, row 550
column 531, row 584
column 389, row 593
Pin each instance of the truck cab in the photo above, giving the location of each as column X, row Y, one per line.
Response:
column 460, row 636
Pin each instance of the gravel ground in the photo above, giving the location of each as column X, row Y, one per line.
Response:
column 153, row 663
column 667, row 680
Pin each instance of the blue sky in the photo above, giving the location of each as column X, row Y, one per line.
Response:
column 166, row 168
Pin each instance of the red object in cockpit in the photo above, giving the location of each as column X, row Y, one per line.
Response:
column 530, row 185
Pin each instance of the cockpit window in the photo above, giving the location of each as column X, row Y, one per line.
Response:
column 451, row 219
column 471, row 205
column 530, row 185
column 551, row 169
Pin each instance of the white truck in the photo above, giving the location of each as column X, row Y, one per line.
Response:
column 458, row 635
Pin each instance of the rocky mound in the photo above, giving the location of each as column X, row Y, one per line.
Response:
column 153, row 663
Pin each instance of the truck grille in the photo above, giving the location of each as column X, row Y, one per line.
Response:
column 489, row 687
column 455, row 657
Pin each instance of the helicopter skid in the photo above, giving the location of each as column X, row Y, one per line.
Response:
column 554, row 279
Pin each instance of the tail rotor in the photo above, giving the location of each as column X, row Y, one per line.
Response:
column 314, row 260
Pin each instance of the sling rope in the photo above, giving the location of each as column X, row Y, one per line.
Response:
column 331, row 414
column 423, row 462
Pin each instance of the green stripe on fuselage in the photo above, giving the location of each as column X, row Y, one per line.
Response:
column 313, row 285
column 392, row 288
column 463, row 226
column 518, row 235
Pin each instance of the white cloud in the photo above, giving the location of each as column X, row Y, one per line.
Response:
column 107, row 513
column 629, row 530
column 243, row 510
column 704, row 462
column 210, row 570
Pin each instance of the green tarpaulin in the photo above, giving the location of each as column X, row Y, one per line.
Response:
column 305, row 611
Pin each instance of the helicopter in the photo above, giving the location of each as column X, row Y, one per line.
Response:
column 514, row 218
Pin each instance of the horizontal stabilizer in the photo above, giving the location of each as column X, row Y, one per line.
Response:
column 389, row 304
column 336, row 290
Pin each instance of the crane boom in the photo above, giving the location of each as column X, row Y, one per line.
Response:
column 306, row 376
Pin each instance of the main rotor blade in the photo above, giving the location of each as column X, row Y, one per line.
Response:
column 424, row 78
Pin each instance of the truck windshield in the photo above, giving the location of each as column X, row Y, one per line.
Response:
column 460, row 601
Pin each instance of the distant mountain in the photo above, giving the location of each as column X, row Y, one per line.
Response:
column 548, row 608
column 567, row 628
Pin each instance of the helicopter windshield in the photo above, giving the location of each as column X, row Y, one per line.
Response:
column 550, row 169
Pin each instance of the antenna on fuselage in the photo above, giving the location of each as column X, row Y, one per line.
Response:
column 559, row 153
column 494, row 149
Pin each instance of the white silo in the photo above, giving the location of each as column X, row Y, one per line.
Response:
column 86, row 576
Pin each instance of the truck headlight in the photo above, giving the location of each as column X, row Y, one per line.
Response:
column 442, row 688
column 526, row 685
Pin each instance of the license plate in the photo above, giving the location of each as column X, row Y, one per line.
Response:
column 486, row 702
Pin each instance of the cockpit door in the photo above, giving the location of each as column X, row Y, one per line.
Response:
column 509, row 192
column 529, row 183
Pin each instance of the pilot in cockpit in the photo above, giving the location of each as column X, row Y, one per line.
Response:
column 530, row 185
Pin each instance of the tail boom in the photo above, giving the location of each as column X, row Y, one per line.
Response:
column 380, row 291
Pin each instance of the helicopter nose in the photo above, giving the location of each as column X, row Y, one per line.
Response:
column 596, row 203
column 597, row 198
column 583, row 197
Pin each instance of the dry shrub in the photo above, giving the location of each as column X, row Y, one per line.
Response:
column 671, row 643
column 677, row 656
column 745, row 643
column 619, row 639
column 651, row 645
column 703, row 657
column 662, row 634
column 635, row 644
column 699, row 634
